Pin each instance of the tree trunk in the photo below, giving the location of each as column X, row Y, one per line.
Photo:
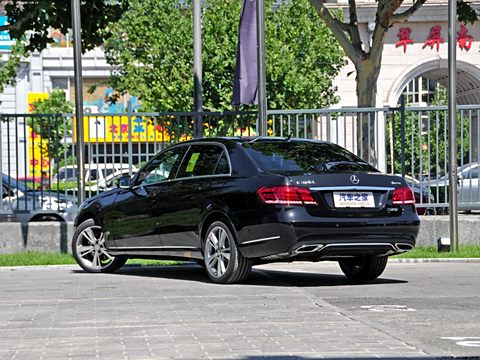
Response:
column 367, row 76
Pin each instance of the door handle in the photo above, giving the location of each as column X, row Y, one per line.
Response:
column 152, row 195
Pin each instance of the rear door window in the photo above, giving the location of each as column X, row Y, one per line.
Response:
column 304, row 156
column 93, row 175
column 204, row 160
column 472, row 174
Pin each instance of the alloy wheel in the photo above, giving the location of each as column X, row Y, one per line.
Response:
column 90, row 249
column 217, row 251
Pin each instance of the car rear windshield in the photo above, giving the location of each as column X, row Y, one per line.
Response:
column 304, row 157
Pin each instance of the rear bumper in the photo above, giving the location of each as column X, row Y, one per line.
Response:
column 323, row 238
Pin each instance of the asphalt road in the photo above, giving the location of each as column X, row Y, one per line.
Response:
column 285, row 311
column 434, row 307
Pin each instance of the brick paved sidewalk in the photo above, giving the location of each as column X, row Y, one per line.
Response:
column 174, row 312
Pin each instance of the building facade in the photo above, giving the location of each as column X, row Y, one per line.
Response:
column 417, row 49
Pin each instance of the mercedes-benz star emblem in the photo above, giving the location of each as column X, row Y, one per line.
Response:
column 354, row 179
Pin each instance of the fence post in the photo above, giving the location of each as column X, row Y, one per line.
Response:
column 380, row 140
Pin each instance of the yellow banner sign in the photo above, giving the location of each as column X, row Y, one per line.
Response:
column 39, row 163
column 116, row 129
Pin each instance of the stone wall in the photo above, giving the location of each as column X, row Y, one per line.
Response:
column 56, row 236
column 35, row 236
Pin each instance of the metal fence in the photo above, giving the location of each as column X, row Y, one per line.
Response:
column 39, row 165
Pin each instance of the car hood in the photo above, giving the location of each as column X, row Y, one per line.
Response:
column 51, row 194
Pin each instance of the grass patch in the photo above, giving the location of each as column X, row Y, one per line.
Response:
column 146, row 262
column 32, row 258
column 428, row 252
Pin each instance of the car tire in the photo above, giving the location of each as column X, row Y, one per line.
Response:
column 88, row 249
column 364, row 268
column 223, row 262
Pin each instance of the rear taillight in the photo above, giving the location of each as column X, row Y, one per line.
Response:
column 286, row 195
column 403, row 195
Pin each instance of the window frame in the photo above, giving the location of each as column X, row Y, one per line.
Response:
column 187, row 147
column 138, row 183
column 206, row 143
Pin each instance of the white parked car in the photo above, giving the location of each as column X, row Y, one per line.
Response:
column 467, row 187
column 95, row 174
column 109, row 182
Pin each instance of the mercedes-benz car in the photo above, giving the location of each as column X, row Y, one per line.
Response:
column 232, row 203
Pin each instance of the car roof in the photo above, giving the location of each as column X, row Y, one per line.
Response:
column 99, row 165
column 250, row 139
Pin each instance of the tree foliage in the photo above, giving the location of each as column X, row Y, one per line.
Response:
column 426, row 139
column 34, row 19
column 155, row 62
column 29, row 23
column 9, row 65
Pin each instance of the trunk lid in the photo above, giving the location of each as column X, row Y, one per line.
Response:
column 351, row 194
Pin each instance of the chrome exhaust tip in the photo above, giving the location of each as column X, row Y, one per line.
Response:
column 403, row 246
column 308, row 248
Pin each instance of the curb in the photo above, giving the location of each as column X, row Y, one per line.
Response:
column 188, row 263
column 435, row 260
column 37, row 267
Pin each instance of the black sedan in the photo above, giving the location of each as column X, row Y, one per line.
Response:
column 230, row 203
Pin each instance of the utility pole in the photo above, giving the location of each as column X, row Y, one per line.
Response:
column 77, row 61
column 262, row 89
column 452, row 124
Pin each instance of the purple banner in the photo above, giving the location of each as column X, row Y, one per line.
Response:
column 245, row 83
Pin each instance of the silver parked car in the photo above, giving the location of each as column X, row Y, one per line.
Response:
column 467, row 187
column 20, row 203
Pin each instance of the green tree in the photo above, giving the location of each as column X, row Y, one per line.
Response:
column 155, row 62
column 302, row 61
column 49, row 122
column 30, row 22
column 151, row 50
column 35, row 18
column 9, row 64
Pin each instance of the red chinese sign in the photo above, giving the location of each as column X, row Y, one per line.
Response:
column 464, row 41
column 434, row 38
column 404, row 38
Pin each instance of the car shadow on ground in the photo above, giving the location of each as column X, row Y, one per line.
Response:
column 258, row 277
column 293, row 357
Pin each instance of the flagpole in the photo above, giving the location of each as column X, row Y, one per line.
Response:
column 262, row 96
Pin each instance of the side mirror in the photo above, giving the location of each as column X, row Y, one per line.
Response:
column 6, row 192
column 124, row 182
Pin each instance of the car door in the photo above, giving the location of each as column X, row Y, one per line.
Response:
column 468, row 190
column 191, row 193
column 133, row 223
